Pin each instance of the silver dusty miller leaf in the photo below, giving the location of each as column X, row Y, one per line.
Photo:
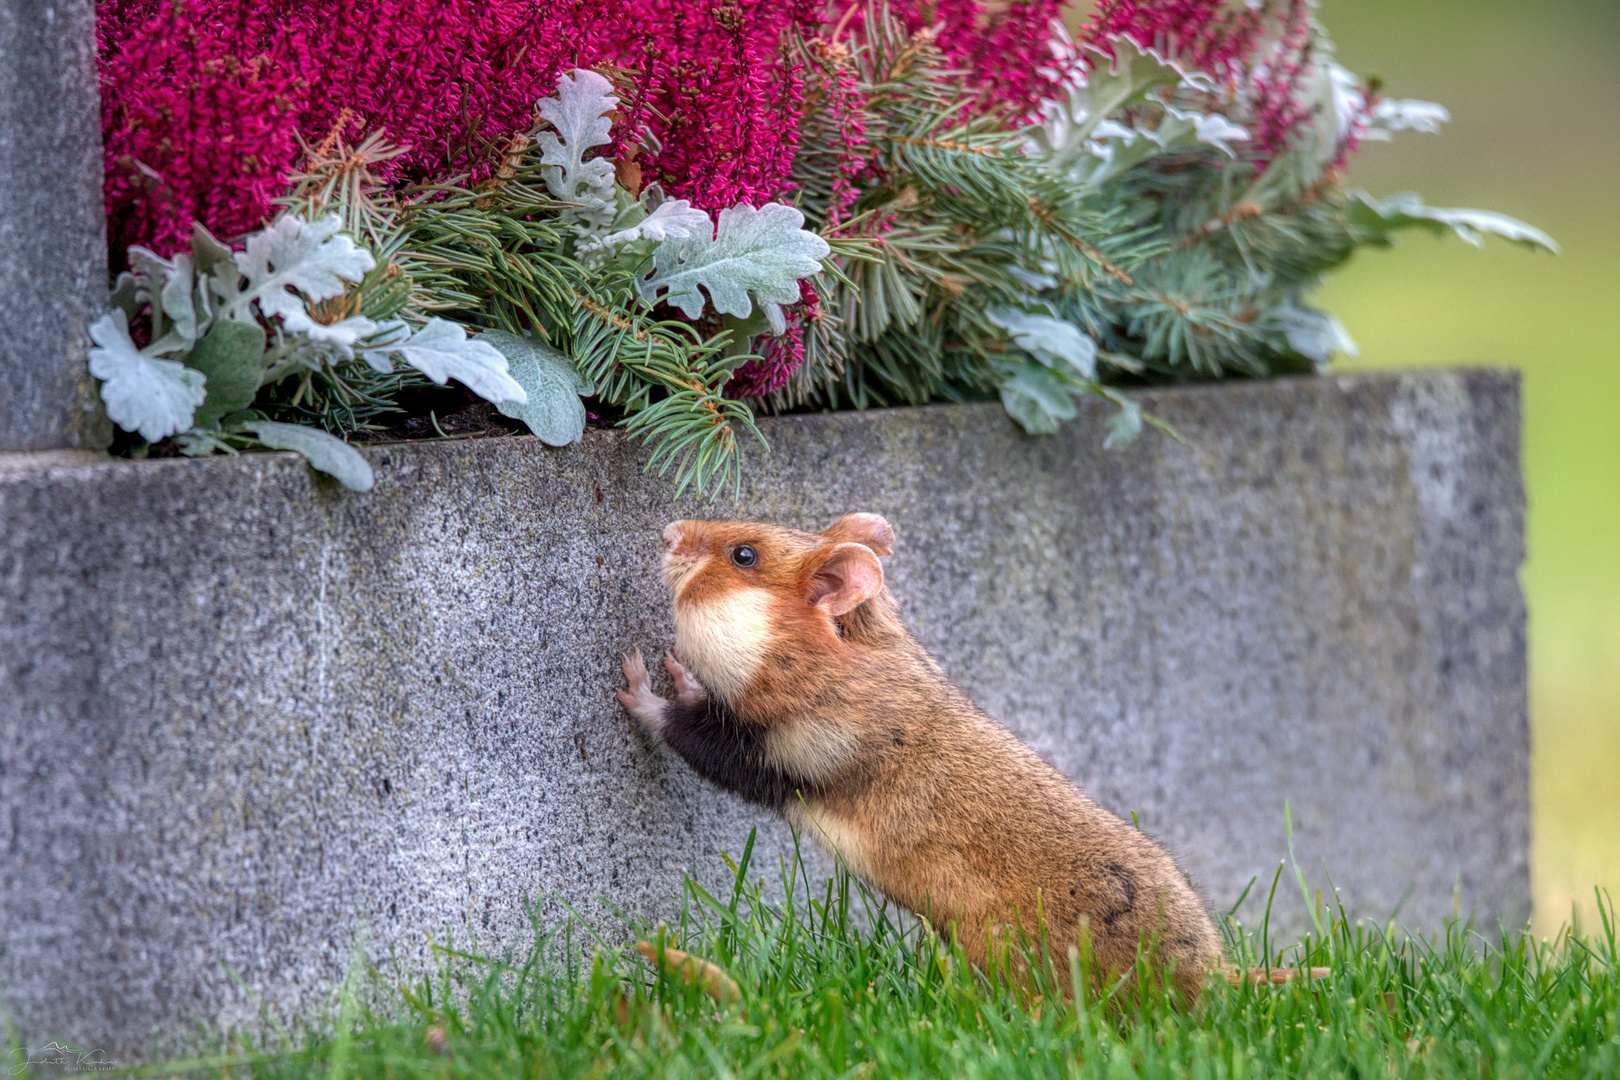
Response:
column 1406, row 210
column 1037, row 399
column 578, row 115
column 754, row 255
column 672, row 219
column 143, row 393
column 1114, row 81
column 553, row 410
column 180, row 312
column 328, row 453
column 1314, row 334
column 442, row 351
column 1051, row 341
column 311, row 257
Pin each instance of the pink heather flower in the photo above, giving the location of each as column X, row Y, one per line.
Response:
column 203, row 130
column 1277, row 81
column 1000, row 45
column 204, row 101
column 1259, row 53
column 1004, row 46
column 780, row 356
column 722, row 93
column 840, row 109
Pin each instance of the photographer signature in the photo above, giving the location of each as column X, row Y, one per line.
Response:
column 64, row 1057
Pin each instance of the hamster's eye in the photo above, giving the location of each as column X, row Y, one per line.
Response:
column 744, row 556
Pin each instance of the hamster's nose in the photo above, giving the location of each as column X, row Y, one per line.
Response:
column 672, row 536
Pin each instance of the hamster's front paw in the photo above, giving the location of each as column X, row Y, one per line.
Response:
column 638, row 697
column 688, row 691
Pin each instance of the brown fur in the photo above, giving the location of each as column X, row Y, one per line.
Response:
column 924, row 796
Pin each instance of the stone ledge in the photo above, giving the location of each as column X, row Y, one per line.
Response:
column 243, row 711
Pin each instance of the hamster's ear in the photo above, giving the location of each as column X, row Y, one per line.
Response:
column 848, row 577
column 868, row 529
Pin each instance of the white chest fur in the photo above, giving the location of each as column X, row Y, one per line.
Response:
column 725, row 639
column 814, row 749
column 836, row 835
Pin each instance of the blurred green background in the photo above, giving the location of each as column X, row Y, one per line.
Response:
column 1534, row 91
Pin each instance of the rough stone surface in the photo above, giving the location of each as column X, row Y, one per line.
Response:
column 243, row 712
column 53, row 232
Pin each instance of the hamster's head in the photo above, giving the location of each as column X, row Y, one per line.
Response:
column 742, row 589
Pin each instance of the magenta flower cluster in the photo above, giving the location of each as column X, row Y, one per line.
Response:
column 206, row 102
column 780, row 356
column 720, row 90
column 1258, row 51
column 1004, row 46
column 209, row 106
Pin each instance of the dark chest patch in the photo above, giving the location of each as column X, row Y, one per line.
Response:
column 729, row 753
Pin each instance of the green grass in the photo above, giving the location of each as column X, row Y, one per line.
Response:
column 823, row 998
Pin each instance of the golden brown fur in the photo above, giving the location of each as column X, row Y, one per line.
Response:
column 924, row 796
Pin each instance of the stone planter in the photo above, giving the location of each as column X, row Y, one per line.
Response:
column 244, row 713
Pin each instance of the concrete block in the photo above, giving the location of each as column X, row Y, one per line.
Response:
column 244, row 712
column 53, row 231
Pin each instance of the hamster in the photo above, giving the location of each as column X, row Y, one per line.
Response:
column 798, row 688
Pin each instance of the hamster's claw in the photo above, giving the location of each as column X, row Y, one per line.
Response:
column 635, row 669
column 688, row 691
column 638, row 697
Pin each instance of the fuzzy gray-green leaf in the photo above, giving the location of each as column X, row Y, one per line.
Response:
column 324, row 452
column 755, row 253
column 1125, row 425
column 231, row 355
column 579, row 113
column 1037, row 399
column 1406, row 209
column 1051, row 341
column 553, row 411
column 148, row 394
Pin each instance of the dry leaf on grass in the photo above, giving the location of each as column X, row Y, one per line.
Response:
column 692, row 970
